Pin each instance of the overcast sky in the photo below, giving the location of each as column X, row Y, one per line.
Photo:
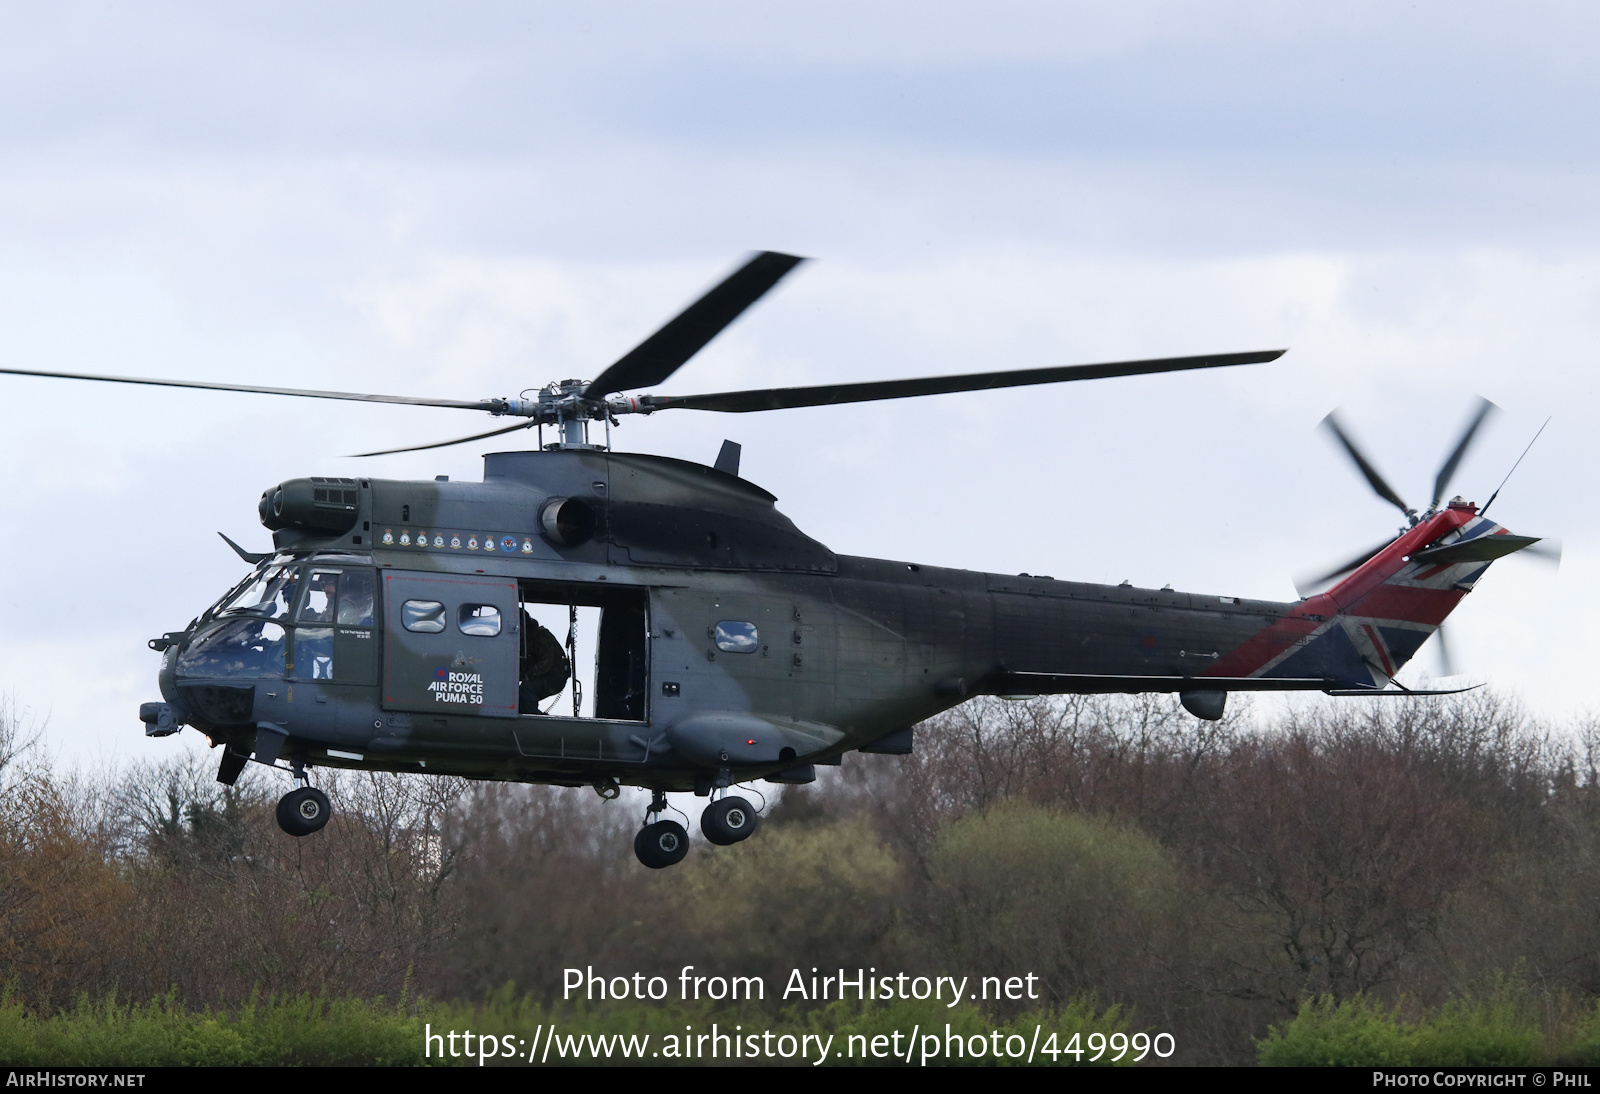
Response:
column 467, row 200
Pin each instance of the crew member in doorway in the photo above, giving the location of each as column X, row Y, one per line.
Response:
column 544, row 669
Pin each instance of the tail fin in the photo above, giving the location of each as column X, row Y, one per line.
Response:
column 1361, row 632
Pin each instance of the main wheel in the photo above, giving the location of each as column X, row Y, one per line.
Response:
column 728, row 820
column 303, row 811
column 661, row 844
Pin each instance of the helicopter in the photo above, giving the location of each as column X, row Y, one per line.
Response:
column 416, row 626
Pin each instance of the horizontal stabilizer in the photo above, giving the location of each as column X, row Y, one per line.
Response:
column 1479, row 549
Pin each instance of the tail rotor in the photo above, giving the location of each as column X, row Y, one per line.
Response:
column 1379, row 484
column 1441, row 482
column 1546, row 550
column 1307, row 585
column 1447, row 470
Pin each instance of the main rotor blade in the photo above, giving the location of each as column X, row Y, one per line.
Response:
column 1384, row 490
column 787, row 398
column 305, row 393
column 446, row 444
column 1448, row 469
column 665, row 351
column 1305, row 586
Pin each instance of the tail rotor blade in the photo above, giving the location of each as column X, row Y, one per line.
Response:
column 1447, row 664
column 1306, row 586
column 1546, row 550
column 1448, row 469
column 1375, row 480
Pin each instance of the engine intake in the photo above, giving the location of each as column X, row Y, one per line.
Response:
column 319, row 504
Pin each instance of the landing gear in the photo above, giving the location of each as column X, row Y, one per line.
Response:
column 660, row 843
column 727, row 821
column 303, row 811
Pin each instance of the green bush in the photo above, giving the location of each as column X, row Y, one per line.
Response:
column 307, row 1031
column 1075, row 898
column 1494, row 1032
column 107, row 1033
column 1326, row 1034
column 1497, row 1029
column 1500, row 1027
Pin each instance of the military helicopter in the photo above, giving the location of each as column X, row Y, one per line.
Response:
column 415, row 626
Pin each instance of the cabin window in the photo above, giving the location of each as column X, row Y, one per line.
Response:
column 479, row 620
column 248, row 648
column 423, row 616
column 733, row 636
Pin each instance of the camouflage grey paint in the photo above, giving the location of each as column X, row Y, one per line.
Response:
column 850, row 649
column 450, row 671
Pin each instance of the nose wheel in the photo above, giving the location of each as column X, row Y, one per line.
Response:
column 660, row 843
column 727, row 821
column 304, row 811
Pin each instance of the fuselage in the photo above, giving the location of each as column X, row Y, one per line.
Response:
column 394, row 629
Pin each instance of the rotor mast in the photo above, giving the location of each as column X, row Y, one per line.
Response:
column 562, row 404
column 565, row 405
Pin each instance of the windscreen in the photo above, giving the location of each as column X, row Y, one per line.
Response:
column 269, row 592
column 247, row 648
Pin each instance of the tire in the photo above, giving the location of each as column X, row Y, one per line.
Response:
column 661, row 844
column 304, row 811
column 728, row 821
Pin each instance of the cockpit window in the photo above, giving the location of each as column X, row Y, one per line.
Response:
column 313, row 653
column 355, row 598
column 322, row 593
column 422, row 616
column 342, row 596
column 482, row 620
column 270, row 593
column 249, row 648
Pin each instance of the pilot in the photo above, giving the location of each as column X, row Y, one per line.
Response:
column 320, row 599
column 544, row 670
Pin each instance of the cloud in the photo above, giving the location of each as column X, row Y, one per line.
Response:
column 474, row 201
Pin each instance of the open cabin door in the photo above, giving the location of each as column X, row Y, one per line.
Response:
column 585, row 650
column 450, row 644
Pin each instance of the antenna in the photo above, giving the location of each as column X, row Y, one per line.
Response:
column 1514, row 467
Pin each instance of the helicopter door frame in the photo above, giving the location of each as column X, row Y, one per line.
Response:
column 439, row 655
column 621, row 669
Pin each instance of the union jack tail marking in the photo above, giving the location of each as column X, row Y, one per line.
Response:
column 1363, row 630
